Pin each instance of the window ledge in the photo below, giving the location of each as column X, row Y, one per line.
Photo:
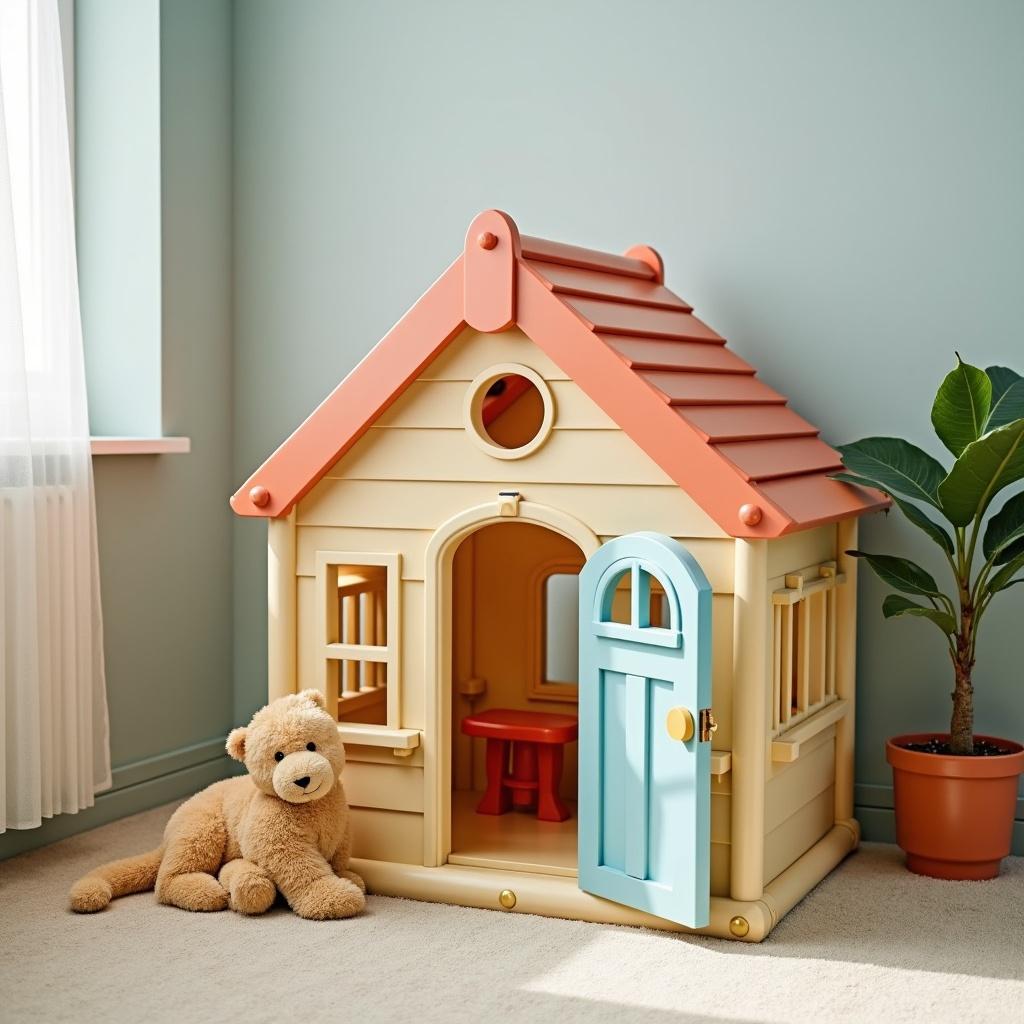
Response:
column 401, row 741
column 141, row 445
column 786, row 748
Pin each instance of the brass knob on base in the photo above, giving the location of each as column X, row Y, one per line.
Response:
column 739, row 926
column 679, row 723
column 507, row 898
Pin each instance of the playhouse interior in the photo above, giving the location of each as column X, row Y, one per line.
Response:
column 515, row 590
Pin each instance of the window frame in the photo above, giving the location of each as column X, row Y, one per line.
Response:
column 327, row 617
column 804, row 606
column 539, row 687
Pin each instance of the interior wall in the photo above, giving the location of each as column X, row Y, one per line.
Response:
column 164, row 522
column 835, row 187
column 494, row 602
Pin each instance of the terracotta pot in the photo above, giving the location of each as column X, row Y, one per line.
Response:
column 954, row 815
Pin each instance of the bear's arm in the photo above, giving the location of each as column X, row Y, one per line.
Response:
column 339, row 862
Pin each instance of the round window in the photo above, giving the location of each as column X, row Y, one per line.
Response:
column 509, row 410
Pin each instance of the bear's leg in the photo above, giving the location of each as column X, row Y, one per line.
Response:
column 249, row 887
column 313, row 890
column 195, row 850
column 328, row 898
column 339, row 862
column 355, row 879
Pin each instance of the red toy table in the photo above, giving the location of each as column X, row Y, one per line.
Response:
column 538, row 741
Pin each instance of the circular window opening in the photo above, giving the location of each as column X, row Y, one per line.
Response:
column 510, row 411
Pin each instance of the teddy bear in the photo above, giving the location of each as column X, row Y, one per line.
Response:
column 284, row 828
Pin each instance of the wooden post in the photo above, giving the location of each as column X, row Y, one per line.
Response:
column 752, row 692
column 846, row 666
column 281, row 607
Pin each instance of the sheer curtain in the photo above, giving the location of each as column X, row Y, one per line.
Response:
column 53, row 706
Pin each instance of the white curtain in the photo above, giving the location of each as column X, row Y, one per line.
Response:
column 53, row 706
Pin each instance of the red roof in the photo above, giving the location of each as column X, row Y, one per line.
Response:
column 670, row 382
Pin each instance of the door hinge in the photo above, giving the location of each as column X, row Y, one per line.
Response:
column 708, row 725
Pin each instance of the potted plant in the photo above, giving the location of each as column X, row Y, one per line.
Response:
column 955, row 793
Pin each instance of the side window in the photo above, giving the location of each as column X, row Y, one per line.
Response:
column 803, row 644
column 555, row 619
column 360, row 635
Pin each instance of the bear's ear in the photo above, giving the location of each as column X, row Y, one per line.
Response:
column 236, row 743
column 316, row 697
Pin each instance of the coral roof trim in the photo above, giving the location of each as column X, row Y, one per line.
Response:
column 666, row 378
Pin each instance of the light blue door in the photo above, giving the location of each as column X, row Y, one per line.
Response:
column 645, row 677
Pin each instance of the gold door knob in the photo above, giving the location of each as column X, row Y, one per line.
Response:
column 679, row 723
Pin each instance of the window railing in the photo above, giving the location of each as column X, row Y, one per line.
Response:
column 804, row 645
column 360, row 639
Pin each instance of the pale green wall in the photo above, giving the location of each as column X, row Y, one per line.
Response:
column 117, row 194
column 834, row 186
column 164, row 523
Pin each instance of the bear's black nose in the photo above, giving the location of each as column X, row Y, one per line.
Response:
column 303, row 782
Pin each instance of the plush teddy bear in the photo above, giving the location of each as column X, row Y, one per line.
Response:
column 283, row 827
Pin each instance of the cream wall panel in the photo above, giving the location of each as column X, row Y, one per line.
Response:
column 311, row 640
column 568, row 456
column 410, row 544
column 721, row 828
column 413, row 682
column 807, row 547
column 720, row 869
column 383, row 786
column 472, row 352
column 438, row 405
column 387, row 835
column 798, row 833
column 800, row 781
column 609, row 510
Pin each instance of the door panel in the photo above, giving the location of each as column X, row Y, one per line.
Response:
column 644, row 828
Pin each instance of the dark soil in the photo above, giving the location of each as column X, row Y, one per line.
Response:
column 982, row 748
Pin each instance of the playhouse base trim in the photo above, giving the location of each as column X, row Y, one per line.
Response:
column 556, row 896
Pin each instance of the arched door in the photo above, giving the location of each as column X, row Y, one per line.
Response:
column 645, row 677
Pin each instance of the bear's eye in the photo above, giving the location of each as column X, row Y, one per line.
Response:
column 311, row 746
column 279, row 756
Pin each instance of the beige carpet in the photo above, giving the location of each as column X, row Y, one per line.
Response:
column 872, row 943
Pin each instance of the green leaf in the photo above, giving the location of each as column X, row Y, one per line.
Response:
column 984, row 468
column 895, row 465
column 912, row 512
column 924, row 522
column 1004, row 536
column 961, row 406
column 1004, row 578
column 860, row 481
column 895, row 605
column 1007, row 396
column 901, row 573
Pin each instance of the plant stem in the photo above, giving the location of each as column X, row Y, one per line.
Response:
column 961, row 726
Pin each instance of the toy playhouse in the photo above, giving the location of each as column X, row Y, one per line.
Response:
column 574, row 580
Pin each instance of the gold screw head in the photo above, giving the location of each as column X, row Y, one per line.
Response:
column 507, row 898
column 739, row 926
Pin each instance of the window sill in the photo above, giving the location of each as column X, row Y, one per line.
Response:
column 401, row 741
column 786, row 747
column 141, row 445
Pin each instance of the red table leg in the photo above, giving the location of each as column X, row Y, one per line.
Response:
column 549, row 762
column 496, row 800
column 524, row 772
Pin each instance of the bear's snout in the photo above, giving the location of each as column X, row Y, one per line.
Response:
column 303, row 776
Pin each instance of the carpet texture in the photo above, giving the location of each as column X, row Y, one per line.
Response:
column 872, row 943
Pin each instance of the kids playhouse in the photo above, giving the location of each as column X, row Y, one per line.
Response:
column 574, row 580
